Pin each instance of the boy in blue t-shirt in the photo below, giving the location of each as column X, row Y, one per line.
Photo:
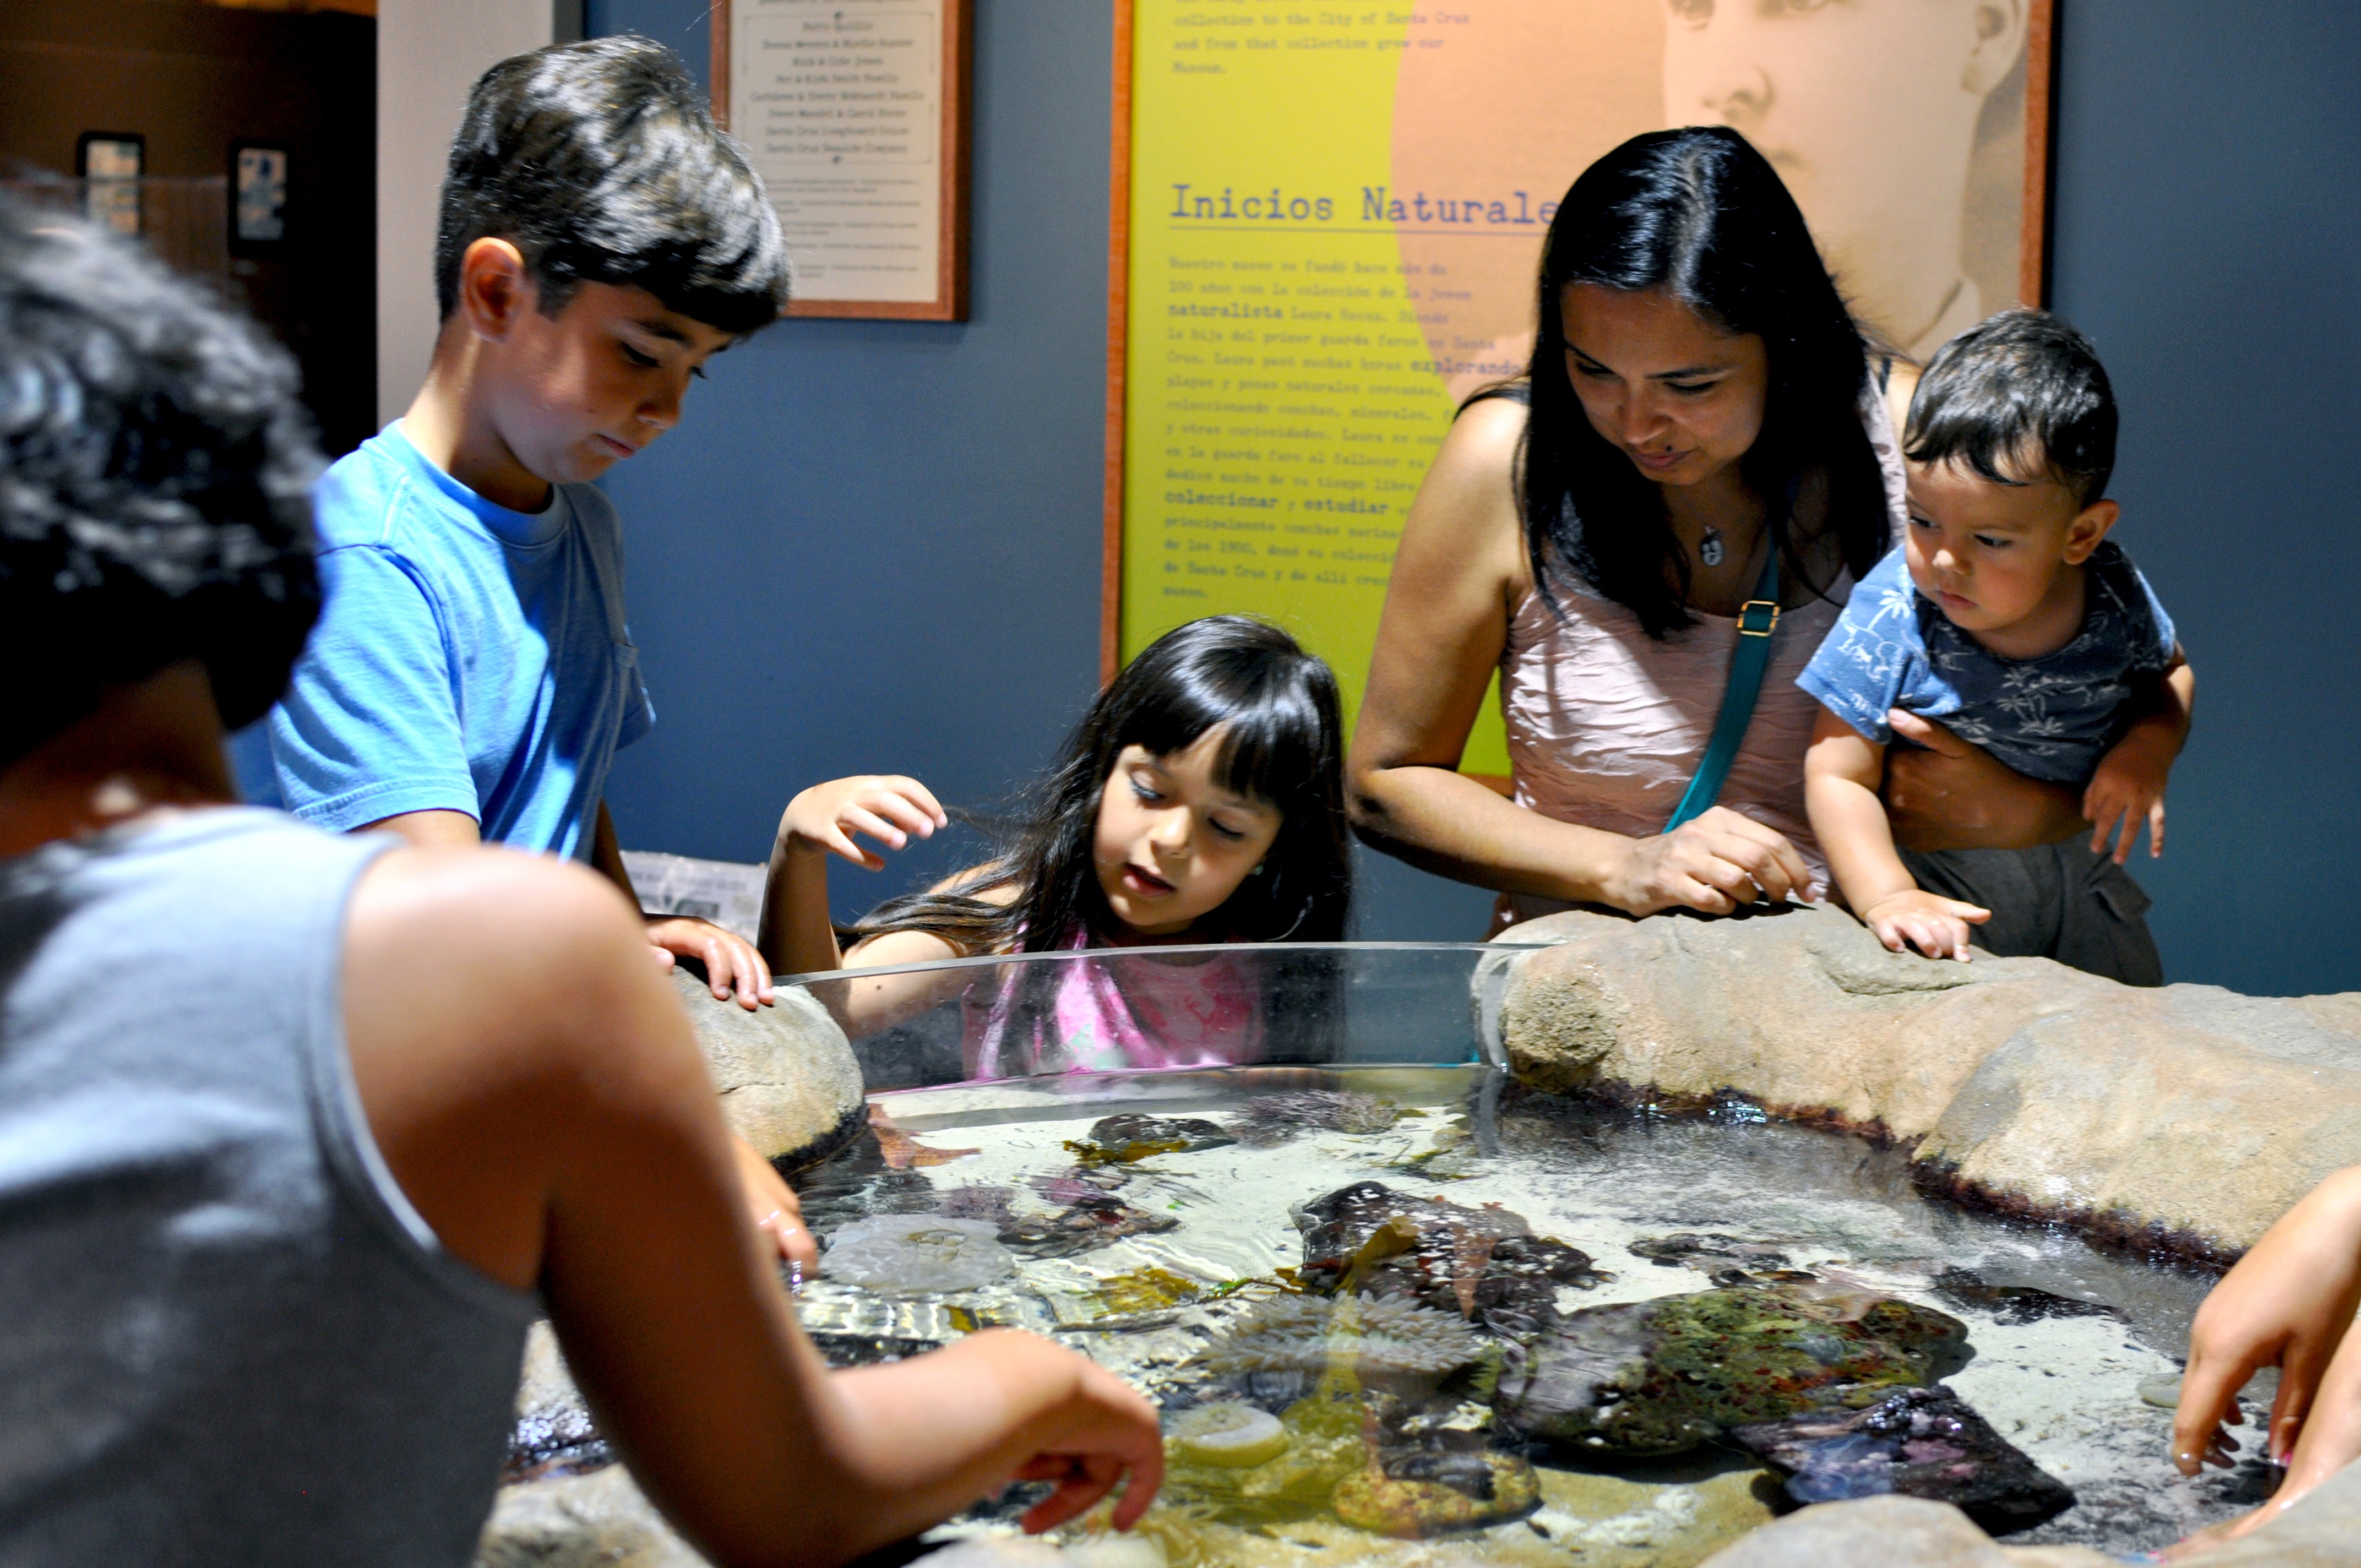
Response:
column 2009, row 617
column 472, row 673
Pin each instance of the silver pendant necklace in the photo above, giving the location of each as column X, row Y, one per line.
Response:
column 1709, row 548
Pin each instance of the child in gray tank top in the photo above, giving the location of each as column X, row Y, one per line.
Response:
column 299, row 1132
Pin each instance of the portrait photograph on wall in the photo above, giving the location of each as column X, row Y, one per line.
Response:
column 1329, row 224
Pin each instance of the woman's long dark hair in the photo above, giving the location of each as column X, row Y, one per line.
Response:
column 1702, row 216
column 1282, row 744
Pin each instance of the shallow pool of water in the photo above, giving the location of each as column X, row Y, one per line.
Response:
column 1183, row 1269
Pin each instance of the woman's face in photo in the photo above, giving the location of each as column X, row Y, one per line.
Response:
column 1678, row 395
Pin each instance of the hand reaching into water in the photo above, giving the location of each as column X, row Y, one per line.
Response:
column 2289, row 1303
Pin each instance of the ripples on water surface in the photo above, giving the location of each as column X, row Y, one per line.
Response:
column 1205, row 1239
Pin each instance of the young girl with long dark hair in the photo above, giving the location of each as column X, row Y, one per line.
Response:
column 1199, row 802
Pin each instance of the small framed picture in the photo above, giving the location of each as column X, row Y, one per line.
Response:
column 109, row 164
column 257, row 214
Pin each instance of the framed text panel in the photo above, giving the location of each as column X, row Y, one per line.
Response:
column 1327, row 222
column 855, row 112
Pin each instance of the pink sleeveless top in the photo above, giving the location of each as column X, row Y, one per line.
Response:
column 1606, row 725
column 1134, row 1010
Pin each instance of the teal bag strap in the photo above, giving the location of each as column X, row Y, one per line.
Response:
column 1757, row 619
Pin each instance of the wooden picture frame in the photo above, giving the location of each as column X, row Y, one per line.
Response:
column 2031, row 273
column 948, row 301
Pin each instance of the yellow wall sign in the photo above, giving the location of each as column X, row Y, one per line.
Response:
column 1329, row 221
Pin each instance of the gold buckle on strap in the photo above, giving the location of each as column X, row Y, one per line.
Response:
column 1746, row 624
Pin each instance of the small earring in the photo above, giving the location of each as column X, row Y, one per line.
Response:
column 1256, row 871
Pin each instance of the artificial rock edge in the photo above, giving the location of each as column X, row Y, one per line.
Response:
column 2184, row 1119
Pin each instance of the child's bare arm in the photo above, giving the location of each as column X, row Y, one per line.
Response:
column 1841, row 772
column 796, row 936
column 2128, row 788
column 576, row 1145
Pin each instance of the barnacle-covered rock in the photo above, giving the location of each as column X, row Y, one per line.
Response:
column 1393, row 1499
column 1269, row 1119
column 1369, row 1240
column 915, row 1254
column 1131, row 1136
column 1661, row 1376
column 1918, row 1442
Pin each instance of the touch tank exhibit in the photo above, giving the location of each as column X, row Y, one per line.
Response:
column 1397, row 1306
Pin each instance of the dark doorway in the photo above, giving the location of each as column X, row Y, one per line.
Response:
column 293, row 90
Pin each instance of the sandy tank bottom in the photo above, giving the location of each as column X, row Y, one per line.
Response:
column 2066, row 1389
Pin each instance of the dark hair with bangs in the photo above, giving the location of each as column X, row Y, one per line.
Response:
column 1699, row 213
column 1282, row 743
column 2017, row 396
column 155, row 484
column 602, row 163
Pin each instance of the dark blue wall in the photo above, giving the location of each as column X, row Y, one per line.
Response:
column 2206, row 237
column 875, row 546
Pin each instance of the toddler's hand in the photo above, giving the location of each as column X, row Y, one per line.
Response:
column 1937, row 926
column 887, row 807
column 2128, row 790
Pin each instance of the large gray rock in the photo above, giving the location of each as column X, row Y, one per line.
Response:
column 599, row 1520
column 2187, row 1116
column 1888, row 1532
column 788, row 1081
column 2323, row 1531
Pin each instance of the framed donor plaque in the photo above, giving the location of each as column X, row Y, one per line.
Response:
column 855, row 112
column 1328, row 221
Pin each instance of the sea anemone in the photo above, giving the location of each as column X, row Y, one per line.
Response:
column 1391, row 1338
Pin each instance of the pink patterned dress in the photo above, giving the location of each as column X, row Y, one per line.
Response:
column 1123, row 1007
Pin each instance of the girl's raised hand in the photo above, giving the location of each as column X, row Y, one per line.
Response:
column 886, row 807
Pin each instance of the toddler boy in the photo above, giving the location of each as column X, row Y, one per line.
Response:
column 2009, row 617
column 472, row 675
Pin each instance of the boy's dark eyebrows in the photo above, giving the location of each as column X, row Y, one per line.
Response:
column 656, row 326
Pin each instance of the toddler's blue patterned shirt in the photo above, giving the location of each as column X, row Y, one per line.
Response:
column 2051, row 718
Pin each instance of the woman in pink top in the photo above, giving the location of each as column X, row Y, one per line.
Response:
column 1699, row 398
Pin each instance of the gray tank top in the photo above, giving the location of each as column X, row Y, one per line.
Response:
column 225, row 1337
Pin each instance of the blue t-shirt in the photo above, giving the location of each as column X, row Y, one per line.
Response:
column 2051, row 718
column 467, row 658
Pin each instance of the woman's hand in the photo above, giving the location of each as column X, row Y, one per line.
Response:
column 1936, row 926
column 1943, row 793
column 2126, row 791
column 1713, row 862
column 2287, row 1304
column 887, row 807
